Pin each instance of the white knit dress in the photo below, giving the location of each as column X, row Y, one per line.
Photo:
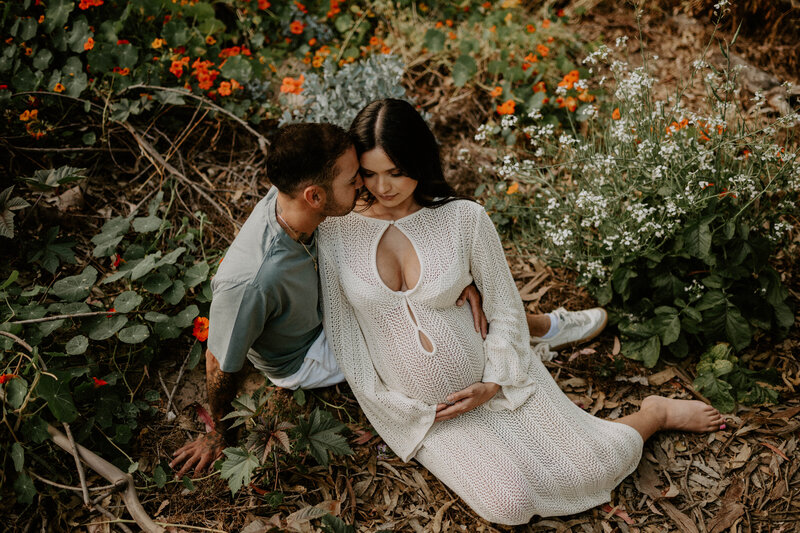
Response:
column 529, row 450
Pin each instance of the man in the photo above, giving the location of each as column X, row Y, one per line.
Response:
column 266, row 303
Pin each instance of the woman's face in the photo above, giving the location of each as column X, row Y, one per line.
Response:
column 390, row 187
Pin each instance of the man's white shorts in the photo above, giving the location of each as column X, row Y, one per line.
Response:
column 319, row 368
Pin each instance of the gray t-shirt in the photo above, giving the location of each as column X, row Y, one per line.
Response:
column 266, row 297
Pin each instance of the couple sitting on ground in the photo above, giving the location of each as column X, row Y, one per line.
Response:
column 355, row 266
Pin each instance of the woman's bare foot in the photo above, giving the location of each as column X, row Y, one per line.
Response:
column 683, row 415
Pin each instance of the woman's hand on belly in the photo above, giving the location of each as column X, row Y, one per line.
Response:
column 466, row 400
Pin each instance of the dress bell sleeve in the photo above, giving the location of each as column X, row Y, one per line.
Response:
column 507, row 346
column 401, row 421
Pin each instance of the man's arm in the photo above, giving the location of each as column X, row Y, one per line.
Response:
column 222, row 387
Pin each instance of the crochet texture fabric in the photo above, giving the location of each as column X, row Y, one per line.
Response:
column 529, row 450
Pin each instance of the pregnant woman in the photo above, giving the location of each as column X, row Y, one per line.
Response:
column 483, row 415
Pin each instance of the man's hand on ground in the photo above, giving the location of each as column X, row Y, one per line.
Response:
column 200, row 453
column 471, row 294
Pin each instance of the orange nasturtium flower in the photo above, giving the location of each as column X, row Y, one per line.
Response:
column 200, row 330
column 497, row 91
column 542, row 49
column 7, row 377
column 25, row 116
column 539, row 87
column 384, row 50
column 99, row 382
column 293, row 86
column 225, row 88
column 571, row 103
column 615, row 114
column 41, row 19
column 513, row 188
column 157, row 43
column 59, row 88
column 210, row 40
column 374, row 40
column 296, row 27
column 263, row 4
column 89, row 44
column 530, row 28
column 546, row 23
column 506, row 108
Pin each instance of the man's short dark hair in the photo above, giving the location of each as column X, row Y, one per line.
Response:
column 305, row 154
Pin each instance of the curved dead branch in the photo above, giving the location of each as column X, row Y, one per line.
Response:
column 112, row 474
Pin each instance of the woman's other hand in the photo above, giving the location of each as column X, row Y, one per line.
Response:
column 471, row 294
column 466, row 400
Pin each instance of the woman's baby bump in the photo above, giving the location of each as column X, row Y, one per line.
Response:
column 435, row 352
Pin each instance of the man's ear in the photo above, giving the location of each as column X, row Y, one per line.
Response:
column 315, row 196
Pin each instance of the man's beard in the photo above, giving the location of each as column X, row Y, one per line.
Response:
column 336, row 209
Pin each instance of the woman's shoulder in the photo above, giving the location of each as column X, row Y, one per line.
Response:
column 461, row 207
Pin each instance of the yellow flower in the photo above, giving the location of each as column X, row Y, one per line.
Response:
column 513, row 188
column 210, row 40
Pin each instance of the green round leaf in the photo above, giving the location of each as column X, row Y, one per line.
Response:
column 196, row 274
column 156, row 283
column 127, row 301
column 237, row 68
column 134, row 334
column 77, row 345
column 16, row 389
column 107, row 327
column 75, row 287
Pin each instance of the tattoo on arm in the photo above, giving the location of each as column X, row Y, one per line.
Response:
column 221, row 392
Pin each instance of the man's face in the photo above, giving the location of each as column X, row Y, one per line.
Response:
column 343, row 192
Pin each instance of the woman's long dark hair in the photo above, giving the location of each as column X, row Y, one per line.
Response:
column 397, row 128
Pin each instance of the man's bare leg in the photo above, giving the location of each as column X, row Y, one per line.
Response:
column 658, row 414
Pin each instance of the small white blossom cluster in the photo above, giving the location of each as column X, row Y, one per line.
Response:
column 463, row 155
column 509, row 167
column 566, row 140
column 601, row 53
column 621, row 41
column 632, row 86
column 508, row 121
column 594, row 208
column 694, row 291
column 484, row 130
column 538, row 133
column 743, row 185
column 721, row 4
column 535, row 114
column 779, row 230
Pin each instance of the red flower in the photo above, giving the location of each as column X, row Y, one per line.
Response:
column 99, row 382
column 200, row 330
column 111, row 312
column 296, row 27
column 123, row 41
column 7, row 377
column 89, row 44
column 263, row 4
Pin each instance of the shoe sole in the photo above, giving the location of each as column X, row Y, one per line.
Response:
column 597, row 332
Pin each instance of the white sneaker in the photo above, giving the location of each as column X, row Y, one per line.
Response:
column 575, row 327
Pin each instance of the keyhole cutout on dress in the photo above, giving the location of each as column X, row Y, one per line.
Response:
column 397, row 261
column 399, row 269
